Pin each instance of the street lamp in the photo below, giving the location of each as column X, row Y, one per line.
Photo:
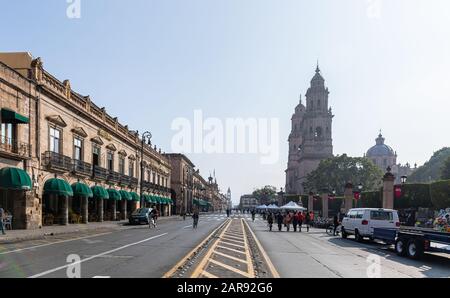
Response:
column 403, row 179
column 281, row 194
column 146, row 137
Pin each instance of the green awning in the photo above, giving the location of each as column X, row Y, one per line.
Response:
column 147, row 197
column 9, row 116
column 81, row 190
column 114, row 194
column 203, row 203
column 14, row 179
column 165, row 201
column 135, row 197
column 100, row 193
column 125, row 195
column 58, row 187
column 196, row 202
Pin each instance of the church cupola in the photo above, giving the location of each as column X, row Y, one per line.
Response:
column 318, row 80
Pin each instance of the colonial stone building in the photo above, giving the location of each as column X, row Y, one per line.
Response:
column 84, row 165
column 310, row 140
column 383, row 156
column 248, row 202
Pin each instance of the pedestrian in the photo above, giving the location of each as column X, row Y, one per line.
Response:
column 195, row 218
column 2, row 220
column 151, row 219
column 336, row 223
column 307, row 221
column 253, row 215
column 300, row 221
column 270, row 221
column 280, row 219
column 295, row 221
column 288, row 221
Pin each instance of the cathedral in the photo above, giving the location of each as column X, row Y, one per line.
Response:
column 310, row 140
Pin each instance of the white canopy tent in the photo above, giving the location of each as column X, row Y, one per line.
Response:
column 262, row 207
column 273, row 207
column 293, row 206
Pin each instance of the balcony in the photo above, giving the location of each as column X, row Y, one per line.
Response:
column 57, row 162
column 99, row 173
column 134, row 181
column 125, row 180
column 113, row 177
column 82, row 168
column 147, row 185
column 13, row 149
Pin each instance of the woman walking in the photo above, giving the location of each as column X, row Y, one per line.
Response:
column 270, row 221
column 301, row 218
column 307, row 221
column 195, row 217
column 280, row 221
column 295, row 221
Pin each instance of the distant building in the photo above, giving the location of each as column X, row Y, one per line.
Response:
column 384, row 156
column 248, row 202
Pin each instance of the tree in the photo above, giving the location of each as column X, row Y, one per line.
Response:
column 446, row 170
column 432, row 169
column 335, row 172
column 266, row 195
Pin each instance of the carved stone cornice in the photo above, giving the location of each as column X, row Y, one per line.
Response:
column 57, row 120
column 80, row 132
column 97, row 140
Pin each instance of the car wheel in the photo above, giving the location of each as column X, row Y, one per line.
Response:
column 344, row 233
column 415, row 249
column 358, row 237
column 400, row 247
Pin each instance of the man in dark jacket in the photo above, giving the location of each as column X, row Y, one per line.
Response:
column 270, row 221
column 280, row 219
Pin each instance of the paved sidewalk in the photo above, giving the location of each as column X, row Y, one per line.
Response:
column 15, row 236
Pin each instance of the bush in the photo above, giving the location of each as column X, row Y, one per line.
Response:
column 414, row 196
column 440, row 194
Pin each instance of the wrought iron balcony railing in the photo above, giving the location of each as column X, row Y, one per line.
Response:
column 14, row 147
column 56, row 161
column 81, row 167
column 99, row 173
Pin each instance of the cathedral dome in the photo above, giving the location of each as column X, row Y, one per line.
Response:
column 380, row 149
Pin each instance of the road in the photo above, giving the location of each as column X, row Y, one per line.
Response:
column 131, row 252
column 317, row 255
column 138, row 251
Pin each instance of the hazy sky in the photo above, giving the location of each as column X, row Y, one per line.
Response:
column 148, row 62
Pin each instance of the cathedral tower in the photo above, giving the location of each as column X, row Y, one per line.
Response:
column 310, row 140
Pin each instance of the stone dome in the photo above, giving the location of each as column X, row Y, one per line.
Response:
column 380, row 149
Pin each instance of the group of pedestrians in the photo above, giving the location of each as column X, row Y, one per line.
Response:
column 295, row 218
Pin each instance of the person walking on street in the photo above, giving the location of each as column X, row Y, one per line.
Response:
column 336, row 224
column 2, row 220
column 295, row 221
column 307, row 221
column 270, row 221
column 288, row 221
column 300, row 221
column 280, row 221
column 195, row 218
column 152, row 219
column 253, row 215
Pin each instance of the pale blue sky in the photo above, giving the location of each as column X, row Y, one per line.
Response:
column 149, row 62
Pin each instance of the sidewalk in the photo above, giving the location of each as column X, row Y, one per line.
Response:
column 16, row 236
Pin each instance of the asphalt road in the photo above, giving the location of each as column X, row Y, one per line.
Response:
column 318, row 255
column 130, row 252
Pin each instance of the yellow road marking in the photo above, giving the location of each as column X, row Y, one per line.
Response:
column 231, row 249
column 206, row 258
column 229, row 256
column 235, row 245
column 230, row 238
column 246, row 274
column 183, row 260
column 247, row 252
column 208, row 275
column 263, row 252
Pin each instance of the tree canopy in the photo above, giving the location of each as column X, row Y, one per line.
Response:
column 266, row 195
column 446, row 170
column 335, row 172
column 432, row 170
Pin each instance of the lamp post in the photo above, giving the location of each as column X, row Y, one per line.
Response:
column 146, row 136
column 281, row 194
column 403, row 179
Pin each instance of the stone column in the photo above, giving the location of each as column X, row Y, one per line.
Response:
column 64, row 211
column 84, row 210
column 388, row 190
column 311, row 202
column 124, row 209
column 348, row 197
column 100, row 210
column 114, row 209
column 19, row 209
column 325, row 206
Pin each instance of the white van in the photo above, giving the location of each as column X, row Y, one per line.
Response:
column 361, row 222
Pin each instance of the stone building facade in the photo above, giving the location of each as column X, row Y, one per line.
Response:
column 248, row 202
column 310, row 140
column 70, row 139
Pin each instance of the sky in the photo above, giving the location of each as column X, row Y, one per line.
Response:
column 149, row 62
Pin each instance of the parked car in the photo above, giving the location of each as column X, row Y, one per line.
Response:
column 140, row 216
column 362, row 221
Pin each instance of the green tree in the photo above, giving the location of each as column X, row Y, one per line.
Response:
column 446, row 170
column 335, row 172
column 266, row 195
column 432, row 169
